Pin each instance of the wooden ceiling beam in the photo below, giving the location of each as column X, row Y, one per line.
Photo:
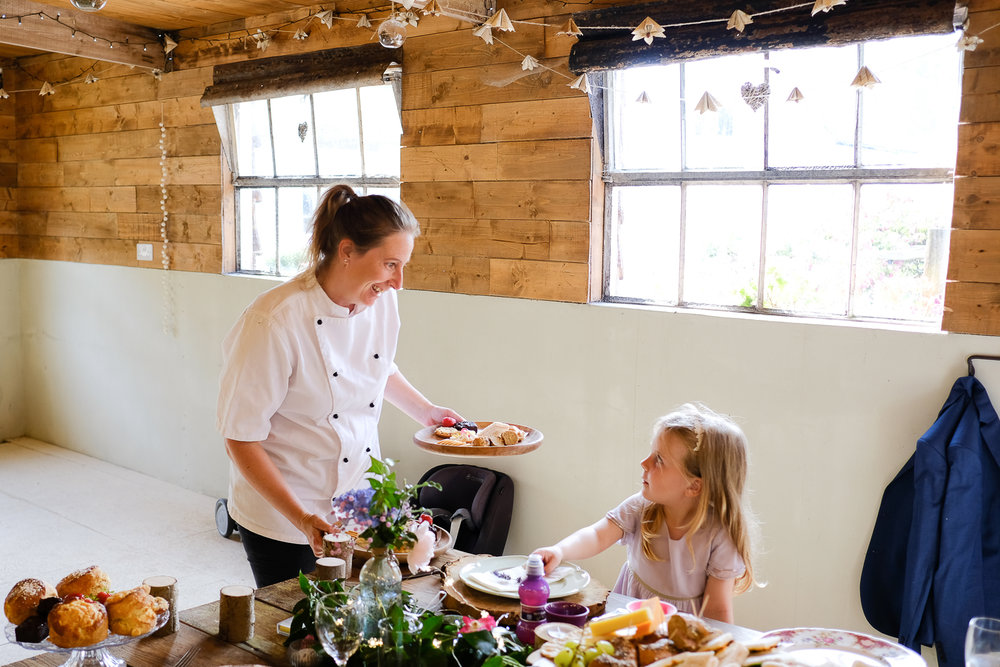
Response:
column 33, row 25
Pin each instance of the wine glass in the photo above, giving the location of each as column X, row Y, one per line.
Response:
column 982, row 643
column 338, row 627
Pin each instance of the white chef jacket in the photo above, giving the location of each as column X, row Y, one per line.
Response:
column 305, row 377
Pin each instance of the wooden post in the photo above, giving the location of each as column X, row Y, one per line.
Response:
column 236, row 613
column 166, row 588
column 330, row 568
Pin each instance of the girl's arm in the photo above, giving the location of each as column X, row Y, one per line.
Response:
column 257, row 468
column 719, row 599
column 584, row 543
column 405, row 396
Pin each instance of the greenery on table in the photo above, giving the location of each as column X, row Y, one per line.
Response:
column 427, row 638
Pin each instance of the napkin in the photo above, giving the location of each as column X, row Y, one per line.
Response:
column 508, row 579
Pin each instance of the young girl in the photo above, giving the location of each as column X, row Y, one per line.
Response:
column 687, row 532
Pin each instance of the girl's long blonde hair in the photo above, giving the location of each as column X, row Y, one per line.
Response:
column 716, row 454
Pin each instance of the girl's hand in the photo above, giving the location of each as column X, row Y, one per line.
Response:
column 551, row 557
column 436, row 413
column 314, row 528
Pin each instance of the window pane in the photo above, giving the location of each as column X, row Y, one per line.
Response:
column 818, row 130
column 733, row 136
column 258, row 243
column 337, row 137
column 808, row 260
column 722, row 244
column 904, row 117
column 645, row 238
column 382, row 131
column 903, row 251
column 647, row 135
column 294, row 153
column 391, row 193
column 295, row 209
column 253, row 139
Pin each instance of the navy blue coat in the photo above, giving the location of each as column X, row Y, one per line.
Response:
column 951, row 563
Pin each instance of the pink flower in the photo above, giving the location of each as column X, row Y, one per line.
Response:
column 422, row 551
column 485, row 622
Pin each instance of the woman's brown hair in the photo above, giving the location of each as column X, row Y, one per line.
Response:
column 364, row 220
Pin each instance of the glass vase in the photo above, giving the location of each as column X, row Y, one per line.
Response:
column 381, row 582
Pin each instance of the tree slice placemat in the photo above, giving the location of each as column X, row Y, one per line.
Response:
column 471, row 602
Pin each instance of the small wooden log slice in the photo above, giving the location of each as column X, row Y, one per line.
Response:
column 236, row 613
column 470, row 602
column 330, row 568
column 165, row 587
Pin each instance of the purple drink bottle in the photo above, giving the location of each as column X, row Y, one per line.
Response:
column 533, row 593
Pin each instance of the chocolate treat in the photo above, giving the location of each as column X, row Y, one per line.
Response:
column 469, row 425
column 45, row 606
column 33, row 630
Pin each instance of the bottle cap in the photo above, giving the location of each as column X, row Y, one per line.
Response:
column 535, row 567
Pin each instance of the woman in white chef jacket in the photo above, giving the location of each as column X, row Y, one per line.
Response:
column 305, row 369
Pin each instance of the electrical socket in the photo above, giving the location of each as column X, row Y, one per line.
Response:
column 144, row 252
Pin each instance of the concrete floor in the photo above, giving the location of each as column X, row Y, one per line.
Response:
column 61, row 511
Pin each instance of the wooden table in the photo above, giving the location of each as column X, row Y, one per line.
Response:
column 200, row 625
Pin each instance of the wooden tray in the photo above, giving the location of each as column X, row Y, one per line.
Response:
column 426, row 440
column 470, row 602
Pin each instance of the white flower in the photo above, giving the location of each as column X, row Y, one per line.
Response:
column 422, row 551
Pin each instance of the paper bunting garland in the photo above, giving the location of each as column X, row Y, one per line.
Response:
column 738, row 21
column 364, row 21
column 529, row 63
column 865, row 78
column 826, row 5
column 647, row 30
column 47, row 89
column 968, row 42
column 707, row 103
column 643, row 98
column 433, row 8
column 755, row 96
column 326, row 17
column 300, row 34
column 168, row 44
column 795, row 95
column 485, row 32
column 500, row 21
column 571, row 29
column 580, row 83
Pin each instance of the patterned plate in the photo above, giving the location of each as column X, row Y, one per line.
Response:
column 818, row 647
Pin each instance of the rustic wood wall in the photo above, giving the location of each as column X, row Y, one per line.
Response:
column 972, row 297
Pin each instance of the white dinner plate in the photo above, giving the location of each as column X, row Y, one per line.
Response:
column 835, row 648
column 575, row 581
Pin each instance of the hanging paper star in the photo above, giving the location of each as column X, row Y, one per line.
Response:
column 363, row 22
column 643, row 98
column 485, row 32
column 795, row 95
column 3, row 94
column 826, row 5
column 647, row 30
column 408, row 17
column 707, row 103
column 739, row 20
column 407, row 4
column 864, row 78
column 326, row 17
column 433, row 8
column 157, row 74
column 580, row 83
column 263, row 40
column 90, row 78
column 500, row 21
column 529, row 63
column 168, row 44
column 571, row 29
column 300, row 34
column 47, row 89
column 968, row 42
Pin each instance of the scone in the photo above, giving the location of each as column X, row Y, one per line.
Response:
column 133, row 612
column 23, row 599
column 89, row 581
column 79, row 622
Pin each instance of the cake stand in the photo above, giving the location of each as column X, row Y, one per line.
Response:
column 96, row 655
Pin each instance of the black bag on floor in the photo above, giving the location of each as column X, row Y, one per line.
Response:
column 474, row 505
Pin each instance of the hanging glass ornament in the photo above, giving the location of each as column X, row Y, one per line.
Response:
column 89, row 5
column 392, row 33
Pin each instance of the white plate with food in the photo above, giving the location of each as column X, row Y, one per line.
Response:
column 488, row 439
column 821, row 647
column 500, row 575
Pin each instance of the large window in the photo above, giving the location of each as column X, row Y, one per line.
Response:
column 288, row 150
column 836, row 205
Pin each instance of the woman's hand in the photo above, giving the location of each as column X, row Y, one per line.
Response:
column 314, row 528
column 436, row 413
column 551, row 557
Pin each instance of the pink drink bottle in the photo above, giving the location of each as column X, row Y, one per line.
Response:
column 534, row 593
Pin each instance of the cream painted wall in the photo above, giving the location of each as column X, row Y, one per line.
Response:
column 11, row 371
column 831, row 411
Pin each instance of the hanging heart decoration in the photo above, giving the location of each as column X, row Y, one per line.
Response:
column 755, row 96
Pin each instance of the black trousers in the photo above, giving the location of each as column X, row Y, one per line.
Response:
column 273, row 561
